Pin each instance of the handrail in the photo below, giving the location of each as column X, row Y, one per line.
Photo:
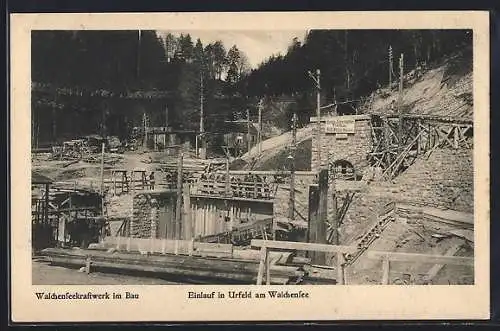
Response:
column 385, row 256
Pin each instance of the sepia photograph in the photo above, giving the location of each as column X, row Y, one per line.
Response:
column 162, row 158
column 266, row 161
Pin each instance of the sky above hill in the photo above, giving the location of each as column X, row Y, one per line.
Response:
column 257, row 45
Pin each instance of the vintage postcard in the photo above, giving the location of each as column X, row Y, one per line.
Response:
column 249, row 166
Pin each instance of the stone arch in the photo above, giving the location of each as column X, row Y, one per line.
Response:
column 342, row 169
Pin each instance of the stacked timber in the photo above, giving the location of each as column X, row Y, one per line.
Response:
column 184, row 268
column 430, row 214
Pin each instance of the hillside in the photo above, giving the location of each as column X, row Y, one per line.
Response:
column 443, row 90
column 441, row 180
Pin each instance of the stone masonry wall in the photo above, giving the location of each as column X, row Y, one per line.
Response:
column 144, row 223
column 353, row 148
column 444, row 180
column 282, row 199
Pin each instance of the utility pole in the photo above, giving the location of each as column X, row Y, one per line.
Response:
column 54, row 119
column 259, row 137
column 248, row 131
column 37, row 129
column 227, row 182
column 202, row 120
column 178, row 207
column 166, row 128
column 318, row 114
column 102, row 179
column 390, row 68
column 145, row 125
column 139, row 53
column 291, row 206
column 400, row 102
column 202, row 127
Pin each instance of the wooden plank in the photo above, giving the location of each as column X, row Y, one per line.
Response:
column 168, row 246
column 420, row 258
column 455, row 137
column 301, row 246
column 187, row 220
column 268, row 269
column 385, row 271
column 340, row 269
column 266, row 173
column 437, row 267
column 88, row 262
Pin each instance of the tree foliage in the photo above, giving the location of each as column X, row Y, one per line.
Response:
column 352, row 63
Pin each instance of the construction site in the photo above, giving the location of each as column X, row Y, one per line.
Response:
column 380, row 194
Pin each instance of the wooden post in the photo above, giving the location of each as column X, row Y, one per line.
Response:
column 390, row 68
column 387, row 142
column 455, row 137
column 291, row 205
column 114, row 181
column 260, row 127
column 335, row 217
column 138, row 53
column 202, row 127
column 54, row 120
column 419, row 141
column 202, row 144
column 102, row 180
column 249, row 146
column 317, row 225
column 46, row 207
column 385, row 270
column 227, row 181
column 318, row 115
column 132, row 182
column 262, row 265
column 340, row 269
column 178, row 211
column 268, row 269
column 400, row 103
column 188, row 222
column 87, row 264
column 145, row 120
column 166, row 128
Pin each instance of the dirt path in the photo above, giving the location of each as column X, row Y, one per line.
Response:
column 45, row 274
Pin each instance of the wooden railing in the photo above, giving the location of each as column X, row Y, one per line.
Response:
column 259, row 185
column 242, row 234
column 267, row 245
column 250, row 190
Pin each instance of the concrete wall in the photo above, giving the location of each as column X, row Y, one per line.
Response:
column 352, row 147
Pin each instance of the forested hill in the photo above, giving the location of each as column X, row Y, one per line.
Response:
column 352, row 63
column 164, row 71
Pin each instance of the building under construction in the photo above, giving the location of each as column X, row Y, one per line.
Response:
column 274, row 227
